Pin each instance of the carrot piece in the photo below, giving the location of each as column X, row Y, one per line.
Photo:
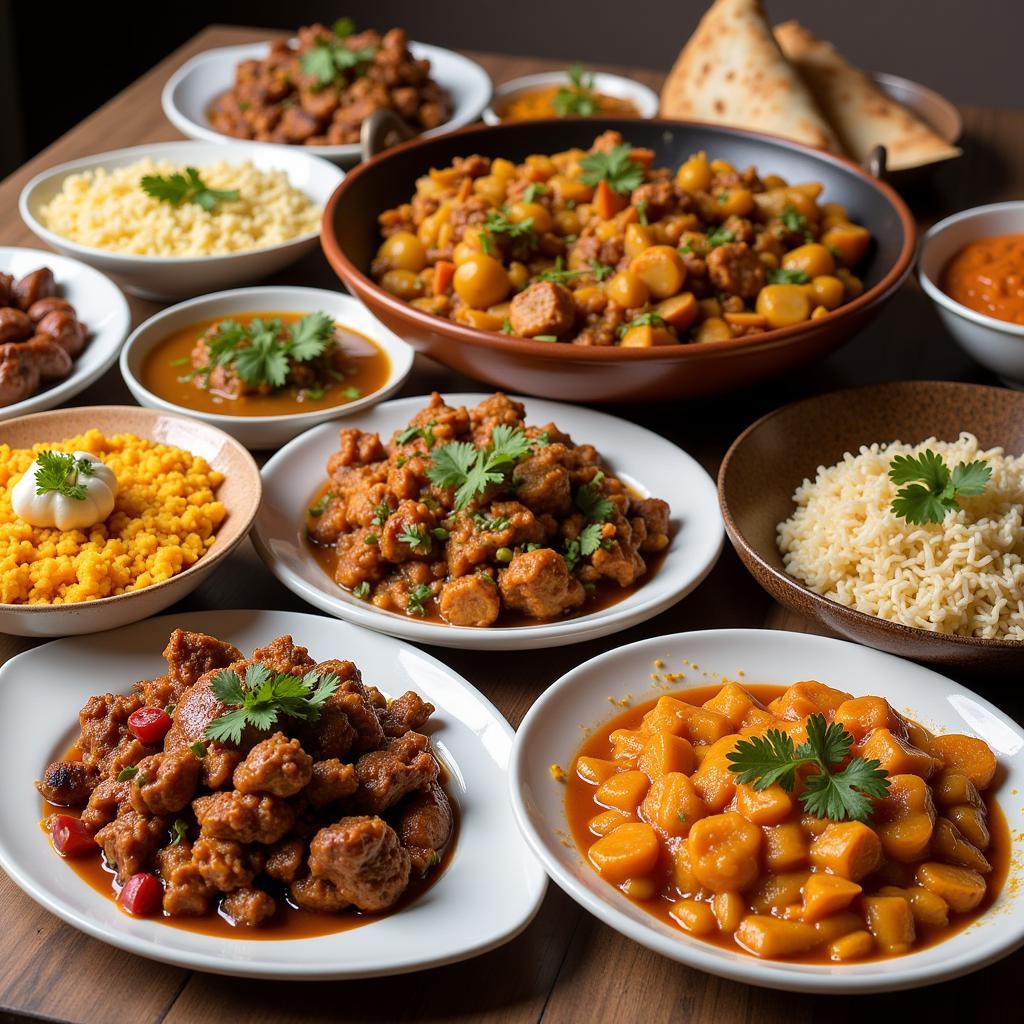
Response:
column 623, row 791
column 890, row 921
column 595, row 770
column 771, row 937
column 607, row 202
column 825, row 895
column 694, row 916
column 962, row 888
column 444, row 271
column 968, row 755
column 849, row 849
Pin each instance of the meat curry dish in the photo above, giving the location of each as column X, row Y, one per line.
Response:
column 723, row 812
column 265, row 364
column 600, row 247
column 473, row 516
column 254, row 789
column 319, row 92
column 40, row 335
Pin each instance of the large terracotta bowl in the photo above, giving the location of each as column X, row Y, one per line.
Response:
column 579, row 373
column 771, row 458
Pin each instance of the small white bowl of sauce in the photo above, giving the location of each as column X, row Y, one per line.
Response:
column 363, row 362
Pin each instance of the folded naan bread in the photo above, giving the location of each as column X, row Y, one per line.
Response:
column 732, row 72
column 862, row 115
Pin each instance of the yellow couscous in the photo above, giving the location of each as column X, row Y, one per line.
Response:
column 165, row 518
column 109, row 210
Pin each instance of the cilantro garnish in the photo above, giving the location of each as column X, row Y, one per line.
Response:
column 578, row 96
column 622, row 173
column 592, row 503
column 361, row 590
column 471, row 470
column 415, row 598
column 415, row 537
column 320, row 506
column 648, row 319
column 60, row 472
column 586, row 543
column 534, row 189
column 793, row 221
column 262, row 696
column 788, row 275
column 330, row 58
column 558, row 274
column 772, row 759
column 937, row 494
column 179, row 831
column 720, row 236
column 185, row 188
column 497, row 223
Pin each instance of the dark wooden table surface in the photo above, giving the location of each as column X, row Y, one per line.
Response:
column 566, row 967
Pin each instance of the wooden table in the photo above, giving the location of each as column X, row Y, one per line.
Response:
column 566, row 966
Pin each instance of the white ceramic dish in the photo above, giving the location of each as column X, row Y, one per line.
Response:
column 264, row 431
column 644, row 99
column 178, row 277
column 198, row 82
column 555, row 727
column 98, row 303
column 239, row 492
column 464, row 914
column 997, row 344
column 649, row 463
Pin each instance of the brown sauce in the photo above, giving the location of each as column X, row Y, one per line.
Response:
column 581, row 806
column 606, row 595
column 169, row 361
column 290, row 921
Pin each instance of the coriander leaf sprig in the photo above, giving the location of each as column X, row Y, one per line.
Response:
column 262, row 696
column 937, row 491
column 622, row 173
column 578, row 96
column 60, row 472
column 471, row 470
column 845, row 795
column 185, row 188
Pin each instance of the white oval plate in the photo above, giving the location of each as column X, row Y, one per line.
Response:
column 198, row 82
column 555, row 727
column 650, row 464
column 98, row 303
column 489, row 893
column 178, row 277
column 260, row 432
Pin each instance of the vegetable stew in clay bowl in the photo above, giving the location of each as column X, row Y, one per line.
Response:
column 663, row 259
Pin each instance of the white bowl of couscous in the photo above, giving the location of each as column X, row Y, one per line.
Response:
column 262, row 212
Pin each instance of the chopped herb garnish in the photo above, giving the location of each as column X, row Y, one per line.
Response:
column 60, row 472
column 179, row 831
column 415, row 537
column 497, row 223
column 600, row 270
column 471, row 470
column 771, row 759
column 545, row 337
column 330, row 58
column 127, row 773
column 719, row 236
column 558, row 273
column 361, row 590
column 262, row 696
column 534, row 189
column 199, row 749
column 641, row 211
column 588, row 541
column 352, row 393
column 320, row 506
column 578, row 96
column 592, row 503
column 938, row 490
column 793, row 221
column 506, row 326
column 648, row 319
column 185, row 188
column 371, row 538
column 380, row 514
column 617, row 168
column 788, row 275
column 415, row 598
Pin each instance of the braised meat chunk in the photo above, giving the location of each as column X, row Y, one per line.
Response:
column 475, row 518
column 363, row 859
column 248, row 803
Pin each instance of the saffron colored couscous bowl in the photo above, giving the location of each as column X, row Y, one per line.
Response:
column 188, row 494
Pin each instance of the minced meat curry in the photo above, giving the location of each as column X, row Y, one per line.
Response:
column 475, row 517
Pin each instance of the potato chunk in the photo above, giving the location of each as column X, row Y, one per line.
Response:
column 848, row 848
column 962, row 888
column 772, row 937
column 891, row 922
column 968, row 755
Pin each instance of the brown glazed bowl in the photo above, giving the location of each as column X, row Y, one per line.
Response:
column 580, row 373
column 771, row 458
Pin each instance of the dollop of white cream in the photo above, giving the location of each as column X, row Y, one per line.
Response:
column 64, row 511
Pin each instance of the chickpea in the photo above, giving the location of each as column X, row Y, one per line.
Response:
column 481, row 281
column 539, row 215
column 625, row 289
column 490, row 187
column 403, row 251
column 518, row 275
column 661, row 268
column 814, row 259
column 738, row 201
column 638, row 237
column 827, row 291
column 406, row 284
column 783, row 304
column 714, row 328
column 695, row 173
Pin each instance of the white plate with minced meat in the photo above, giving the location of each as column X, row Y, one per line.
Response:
column 488, row 522
column 457, row 912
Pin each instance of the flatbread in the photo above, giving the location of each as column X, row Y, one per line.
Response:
column 862, row 115
column 732, row 72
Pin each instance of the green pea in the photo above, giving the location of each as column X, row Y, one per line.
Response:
column 503, row 554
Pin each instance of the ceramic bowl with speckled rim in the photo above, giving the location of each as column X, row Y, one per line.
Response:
column 240, row 493
column 771, row 458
